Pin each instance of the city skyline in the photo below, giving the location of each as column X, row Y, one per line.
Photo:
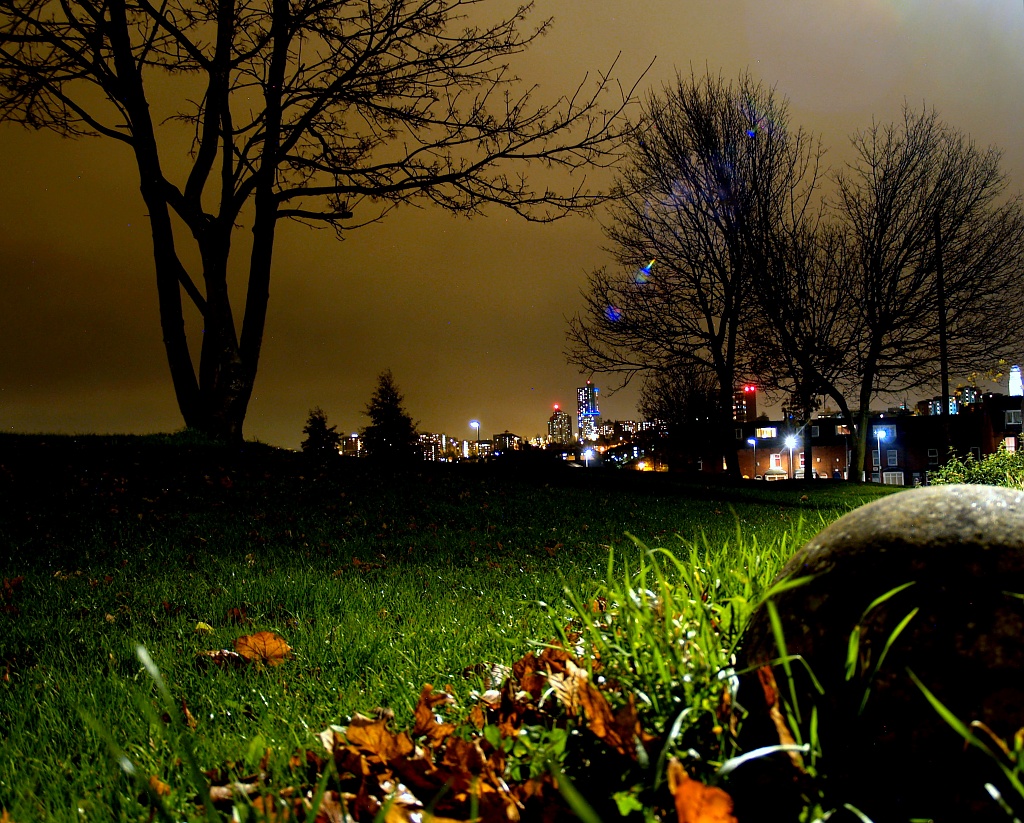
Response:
column 469, row 315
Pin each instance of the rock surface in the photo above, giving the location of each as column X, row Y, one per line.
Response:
column 961, row 549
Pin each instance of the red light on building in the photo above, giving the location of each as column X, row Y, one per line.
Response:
column 748, row 389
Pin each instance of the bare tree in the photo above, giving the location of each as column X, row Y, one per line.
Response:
column 805, row 338
column 713, row 167
column 322, row 111
column 936, row 244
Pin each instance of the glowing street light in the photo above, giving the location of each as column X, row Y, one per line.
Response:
column 880, row 435
column 790, row 442
column 588, row 455
column 753, row 442
column 475, row 424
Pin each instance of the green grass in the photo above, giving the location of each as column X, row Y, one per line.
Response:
column 380, row 582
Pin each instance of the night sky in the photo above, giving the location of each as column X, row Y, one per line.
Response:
column 468, row 314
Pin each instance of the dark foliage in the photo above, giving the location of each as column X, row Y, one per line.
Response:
column 322, row 441
column 391, row 435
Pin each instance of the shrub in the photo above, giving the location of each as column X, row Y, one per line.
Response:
column 1003, row 468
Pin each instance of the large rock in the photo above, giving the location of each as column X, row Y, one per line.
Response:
column 962, row 549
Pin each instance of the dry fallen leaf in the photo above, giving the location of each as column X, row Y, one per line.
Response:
column 263, row 647
column 696, row 802
column 372, row 737
column 426, row 724
column 158, row 786
column 774, row 701
column 190, row 719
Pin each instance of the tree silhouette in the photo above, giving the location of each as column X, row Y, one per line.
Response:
column 248, row 112
column 391, row 435
column 322, row 441
column 713, row 171
column 919, row 201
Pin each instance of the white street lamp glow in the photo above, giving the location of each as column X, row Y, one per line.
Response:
column 790, row 442
column 475, row 424
column 880, row 435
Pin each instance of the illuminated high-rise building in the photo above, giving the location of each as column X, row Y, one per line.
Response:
column 559, row 427
column 744, row 404
column 587, row 412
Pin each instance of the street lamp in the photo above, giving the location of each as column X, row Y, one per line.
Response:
column 880, row 435
column 790, row 442
column 588, row 455
column 475, row 424
column 753, row 442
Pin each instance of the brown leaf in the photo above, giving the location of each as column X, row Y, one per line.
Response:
column 272, row 809
column 331, row 809
column 263, row 647
column 158, row 787
column 374, row 738
column 696, row 802
column 774, row 701
column 426, row 724
column 190, row 719
column 621, row 729
column 10, row 586
column 237, row 616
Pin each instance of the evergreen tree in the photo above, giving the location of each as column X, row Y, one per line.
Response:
column 391, row 434
column 322, row 441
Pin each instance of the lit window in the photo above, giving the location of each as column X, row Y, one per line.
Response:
column 843, row 430
column 766, row 432
column 776, row 461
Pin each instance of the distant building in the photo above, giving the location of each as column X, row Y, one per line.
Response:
column 352, row 446
column 935, row 405
column 438, row 447
column 587, row 412
column 1016, row 384
column 559, row 427
column 744, row 404
column 968, row 395
column 507, row 442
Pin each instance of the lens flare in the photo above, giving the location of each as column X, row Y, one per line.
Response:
column 643, row 274
column 613, row 313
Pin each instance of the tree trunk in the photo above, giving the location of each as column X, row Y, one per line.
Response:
column 860, row 441
column 725, row 434
column 807, row 446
